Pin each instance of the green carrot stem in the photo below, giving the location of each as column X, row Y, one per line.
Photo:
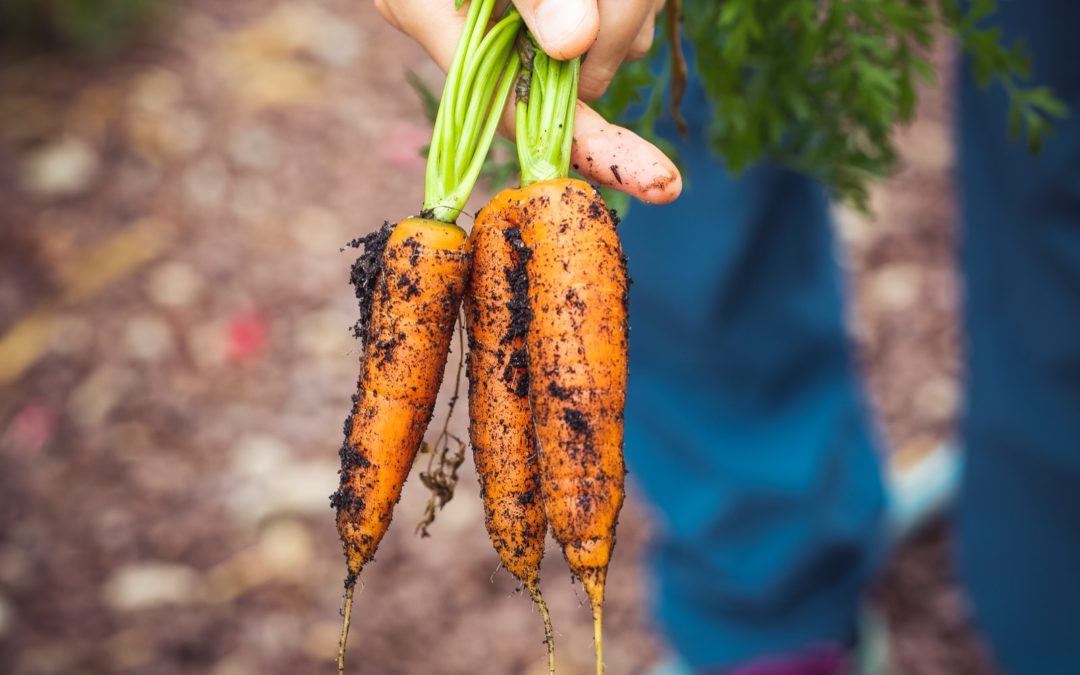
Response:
column 488, row 73
column 483, row 66
column 545, row 118
column 509, row 23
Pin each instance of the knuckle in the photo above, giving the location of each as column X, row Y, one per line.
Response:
column 639, row 48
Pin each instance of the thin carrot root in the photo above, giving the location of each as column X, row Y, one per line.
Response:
column 347, row 614
column 598, row 636
column 549, row 632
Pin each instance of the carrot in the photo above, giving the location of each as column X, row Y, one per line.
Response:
column 410, row 281
column 577, row 371
column 577, row 338
column 500, row 421
column 412, row 290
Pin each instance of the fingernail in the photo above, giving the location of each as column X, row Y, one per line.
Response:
column 558, row 22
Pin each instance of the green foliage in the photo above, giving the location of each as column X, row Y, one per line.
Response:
column 819, row 85
column 91, row 25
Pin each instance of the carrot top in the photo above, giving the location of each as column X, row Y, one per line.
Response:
column 481, row 75
column 544, row 116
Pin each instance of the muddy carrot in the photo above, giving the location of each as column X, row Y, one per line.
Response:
column 500, row 421
column 577, row 338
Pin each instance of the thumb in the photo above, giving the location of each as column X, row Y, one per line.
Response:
column 564, row 28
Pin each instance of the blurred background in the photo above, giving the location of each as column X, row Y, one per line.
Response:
column 177, row 181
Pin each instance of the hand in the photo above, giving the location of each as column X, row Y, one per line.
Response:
column 612, row 31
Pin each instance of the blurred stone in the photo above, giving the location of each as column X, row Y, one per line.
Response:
column 158, row 126
column 335, row 42
column 156, row 91
column 254, row 147
column 325, row 334
column 927, row 146
column 855, row 228
column 62, row 168
column 318, row 229
column 174, row 284
column 71, row 335
column 206, row 182
column 97, row 395
column 148, row 337
column 937, row 399
column 265, row 480
column 896, row 287
column 171, row 135
column 285, row 549
column 7, row 616
column 259, row 454
column 151, row 584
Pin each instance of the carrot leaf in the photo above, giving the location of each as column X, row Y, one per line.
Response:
column 478, row 83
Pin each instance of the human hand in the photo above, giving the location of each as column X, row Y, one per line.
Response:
column 612, row 31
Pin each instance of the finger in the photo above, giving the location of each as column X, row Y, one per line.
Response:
column 615, row 157
column 644, row 40
column 620, row 159
column 564, row 28
column 620, row 23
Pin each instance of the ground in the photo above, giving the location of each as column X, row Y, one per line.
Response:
column 175, row 366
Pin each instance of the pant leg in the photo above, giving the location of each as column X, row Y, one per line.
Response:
column 1019, row 520
column 746, row 429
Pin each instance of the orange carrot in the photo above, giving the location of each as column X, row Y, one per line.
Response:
column 410, row 295
column 413, row 308
column 500, row 422
column 577, row 339
column 577, row 344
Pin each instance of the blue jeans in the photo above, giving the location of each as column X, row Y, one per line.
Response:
column 749, row 434
column 746, row 427
column 1019, row 517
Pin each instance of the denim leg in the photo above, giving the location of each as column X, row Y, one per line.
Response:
column 746, row 427
column 1019, row 523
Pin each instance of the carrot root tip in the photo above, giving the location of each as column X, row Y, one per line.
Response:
column 346, row 620
column 549, row 631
